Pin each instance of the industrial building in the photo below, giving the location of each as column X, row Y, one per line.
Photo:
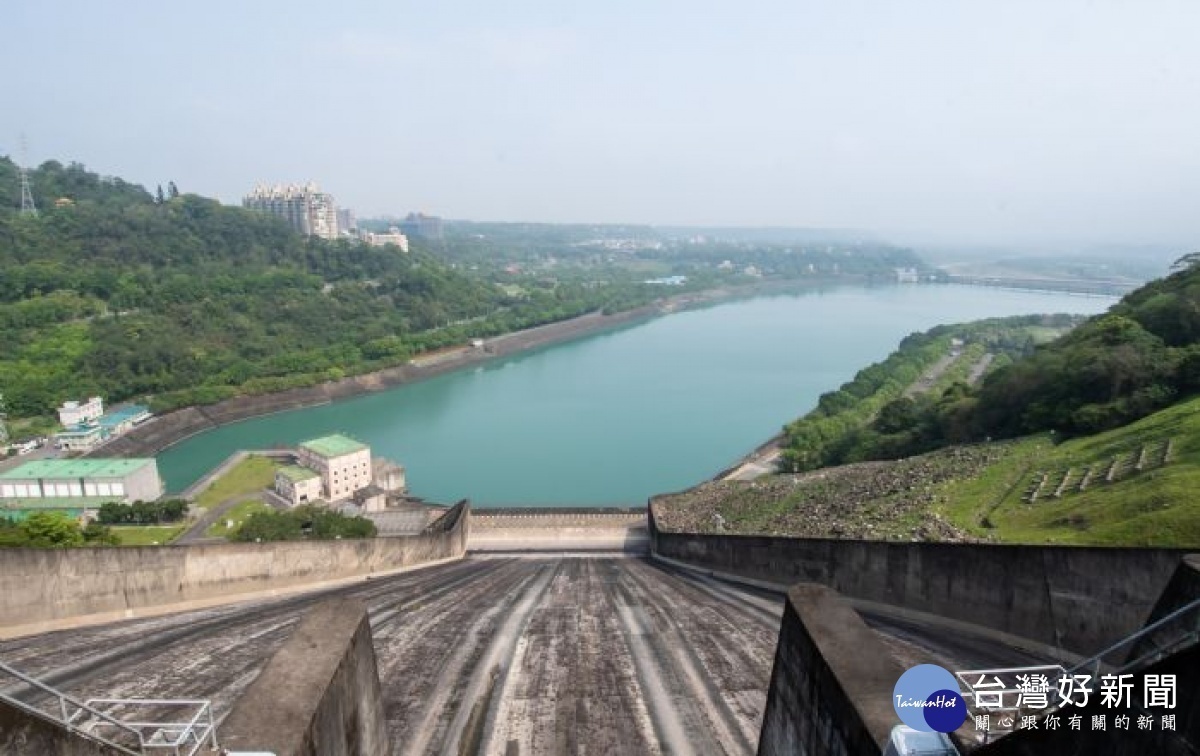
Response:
column 86, row 426
column 75, row 485
column 305, row 207
column 343, row 464
column 337, row 468
column 298, row 485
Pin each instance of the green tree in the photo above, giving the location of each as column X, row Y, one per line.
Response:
column 49, row 529
column 95, row 534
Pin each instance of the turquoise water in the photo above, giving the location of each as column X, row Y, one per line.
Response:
column 616, row 417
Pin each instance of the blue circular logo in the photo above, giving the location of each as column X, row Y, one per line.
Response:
column 927, row 698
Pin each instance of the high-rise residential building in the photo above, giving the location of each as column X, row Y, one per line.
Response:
column 306, row 208
column 422, row 226
column 347, row 223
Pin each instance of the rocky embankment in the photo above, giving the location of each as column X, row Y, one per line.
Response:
column 875, row 500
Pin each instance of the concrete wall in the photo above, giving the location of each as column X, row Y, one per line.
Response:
column 831, row 687
column 23, row 734
column 1183, row 589
column 319, row 695
column 43, row 589
column 1073, row 598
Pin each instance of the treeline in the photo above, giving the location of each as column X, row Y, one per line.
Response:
column 112, row 291
column 1141, row 356
column 303, row 522
column 142, row 512
column 53, row 530
column 870, row 418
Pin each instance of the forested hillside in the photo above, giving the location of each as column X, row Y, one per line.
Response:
column 1139, row 357
column 117, row 291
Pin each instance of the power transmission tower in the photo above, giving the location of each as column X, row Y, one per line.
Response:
column 27, row 206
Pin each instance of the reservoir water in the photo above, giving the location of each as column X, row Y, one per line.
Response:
column 613, row 418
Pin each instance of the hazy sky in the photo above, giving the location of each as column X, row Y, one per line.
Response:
column 957, row 119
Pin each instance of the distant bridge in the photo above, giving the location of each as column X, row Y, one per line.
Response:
column 1071, row 285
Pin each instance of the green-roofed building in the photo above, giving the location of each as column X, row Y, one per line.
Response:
column 335, row 445
column 299, row 485
column 74, row 485
column 343, row 464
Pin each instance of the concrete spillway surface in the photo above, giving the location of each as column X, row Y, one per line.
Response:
column 539, row 655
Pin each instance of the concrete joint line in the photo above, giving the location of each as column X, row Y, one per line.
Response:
column 499, row 648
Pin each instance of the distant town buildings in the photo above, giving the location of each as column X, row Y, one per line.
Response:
column 393, row 236
column 907, row 275
column 307, row 209
column 422, row 226
column 77, row 485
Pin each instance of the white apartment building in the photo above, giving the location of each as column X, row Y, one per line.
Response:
column 306, row 208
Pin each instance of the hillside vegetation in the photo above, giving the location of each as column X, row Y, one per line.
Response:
column 1133, row 486
column 114, row 291
column 1103, row 429
column 1141, row 356
column 881, row 414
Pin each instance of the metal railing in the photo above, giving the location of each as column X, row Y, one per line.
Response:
column 1144, row 647
column 1187, row 617
column 109, row 720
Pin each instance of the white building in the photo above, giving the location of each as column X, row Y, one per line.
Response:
column 306, row 208
column 77, row 413
column 343, row 464
column 298, row 485
column 393, row 236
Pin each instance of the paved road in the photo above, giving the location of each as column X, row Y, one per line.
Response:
column 596, row 654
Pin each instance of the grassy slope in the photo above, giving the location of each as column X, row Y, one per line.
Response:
column 238, row 514
column 1155, row 507
column 976, row 492
column 249, row 476
column 147, row 535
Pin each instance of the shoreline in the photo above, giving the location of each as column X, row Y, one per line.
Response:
column 164, row 431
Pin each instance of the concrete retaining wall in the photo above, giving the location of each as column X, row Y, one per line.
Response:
column 1073, row 598
column 319, row 695
column 832, row 683
column 22, row 734
column 43, row 589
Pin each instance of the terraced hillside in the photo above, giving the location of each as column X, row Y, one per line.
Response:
column 1132, row 486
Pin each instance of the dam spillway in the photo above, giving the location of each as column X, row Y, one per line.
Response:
column 532, row 654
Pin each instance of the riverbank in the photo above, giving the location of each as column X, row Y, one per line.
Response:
column 166, row 430
column 662, row 404
column 161, row 432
